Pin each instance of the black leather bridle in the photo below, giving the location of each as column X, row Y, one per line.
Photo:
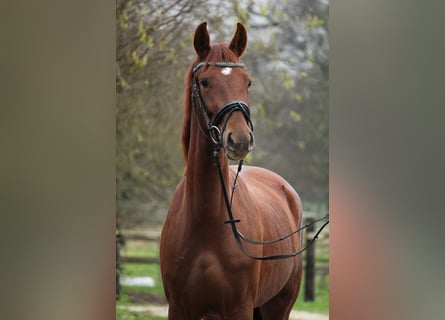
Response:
column 225, row 111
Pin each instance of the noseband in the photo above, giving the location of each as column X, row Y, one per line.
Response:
column 226, row 110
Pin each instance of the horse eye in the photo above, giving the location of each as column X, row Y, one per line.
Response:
column 204, row 82
column 249, row 84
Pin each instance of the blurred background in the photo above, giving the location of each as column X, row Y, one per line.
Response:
column 58, row 152
column 288, row 59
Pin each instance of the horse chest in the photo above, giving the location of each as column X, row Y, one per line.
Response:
column 212, row 278
column 211, row 265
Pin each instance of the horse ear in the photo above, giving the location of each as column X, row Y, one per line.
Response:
column 201, row 41
column 239, row 41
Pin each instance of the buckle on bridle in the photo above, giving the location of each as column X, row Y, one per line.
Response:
column 215, row 135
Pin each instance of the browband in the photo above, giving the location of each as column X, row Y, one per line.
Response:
column 219, row 64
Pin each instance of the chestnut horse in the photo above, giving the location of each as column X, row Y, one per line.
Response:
column 204, row 272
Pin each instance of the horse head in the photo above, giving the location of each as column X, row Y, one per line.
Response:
column 220, row 90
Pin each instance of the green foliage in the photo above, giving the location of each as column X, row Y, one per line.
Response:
column 314, row 21
column 288, row 58
column 149, row 95
column 296, row 116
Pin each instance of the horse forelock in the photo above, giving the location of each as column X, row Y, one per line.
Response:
column 218, row 53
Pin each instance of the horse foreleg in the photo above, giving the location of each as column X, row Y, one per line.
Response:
column 181, row 314
column 173, row 313
column 280, row 306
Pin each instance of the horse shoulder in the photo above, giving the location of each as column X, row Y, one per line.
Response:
column 267, row 188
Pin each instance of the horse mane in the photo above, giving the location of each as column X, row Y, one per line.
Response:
column 218, row 52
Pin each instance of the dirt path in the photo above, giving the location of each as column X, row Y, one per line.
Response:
column 161, row 311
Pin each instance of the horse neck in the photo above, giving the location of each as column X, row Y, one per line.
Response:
column 204, row 195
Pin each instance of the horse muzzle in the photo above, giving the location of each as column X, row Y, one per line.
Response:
column 237, row 129
column 238, row 145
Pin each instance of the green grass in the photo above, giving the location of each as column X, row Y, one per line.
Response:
column 124, row 314
column 151, row 270
column 136, row 248
column 321, row 302
column 142, row 249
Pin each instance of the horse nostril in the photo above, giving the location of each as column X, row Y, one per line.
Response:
column 252, row 141
column 230, row 140
column 245, row 143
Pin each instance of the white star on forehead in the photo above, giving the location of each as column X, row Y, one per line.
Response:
column 226, row 71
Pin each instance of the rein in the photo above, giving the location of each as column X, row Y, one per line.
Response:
column 215, row 135
column 239, row 236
